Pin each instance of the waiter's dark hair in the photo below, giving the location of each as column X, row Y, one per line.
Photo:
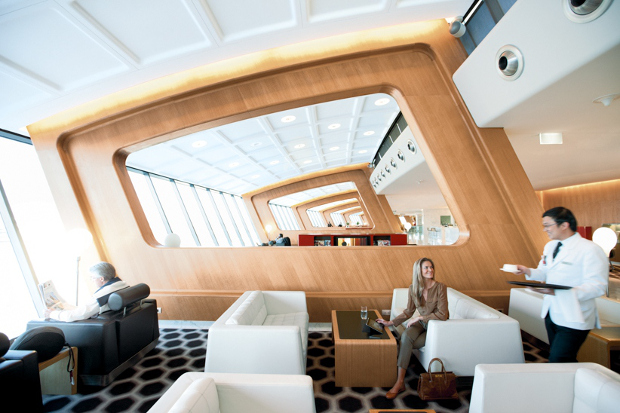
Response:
column 561, row 215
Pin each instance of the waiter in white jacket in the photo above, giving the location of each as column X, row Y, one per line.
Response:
column 569, row 260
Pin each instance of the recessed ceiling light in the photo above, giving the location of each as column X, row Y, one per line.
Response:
column 363, row 151
column 255, row 144
column 334, row 126
column 299, row 145
column 554, row 138
column 289, row 118
column 369, row 132
column 334, row 148
column 308, row 161
column 199, row 144
column 274, row 162
column 382, row 101
column 255, row 176
column 233, row 165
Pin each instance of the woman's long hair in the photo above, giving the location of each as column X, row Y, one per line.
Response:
column 418, row 280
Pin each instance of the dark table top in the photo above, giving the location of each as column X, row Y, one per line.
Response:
column 352, row 327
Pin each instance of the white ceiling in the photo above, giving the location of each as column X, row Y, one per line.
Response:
column 246, row 155
column 56, row 54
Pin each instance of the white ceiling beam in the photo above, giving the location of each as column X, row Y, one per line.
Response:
column 268, row 128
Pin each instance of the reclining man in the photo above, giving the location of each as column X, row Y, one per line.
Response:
column 104, row 276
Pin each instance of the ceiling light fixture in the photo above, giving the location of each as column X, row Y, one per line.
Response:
column 255, row 176
column 334, row 126
column 369, row 133
column 363, row 151
column 334, row 148
column 274, row 162
column 233, row 164
column 289, row 118
column 199, row 144
column 255, row 144
column 299, row 145
column 552, row 138
column 607, row 99
column 382, row 101
column 308, row 161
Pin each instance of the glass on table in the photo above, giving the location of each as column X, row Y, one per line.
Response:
column 364, row 313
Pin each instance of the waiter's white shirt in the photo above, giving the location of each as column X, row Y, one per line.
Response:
column 580, row 264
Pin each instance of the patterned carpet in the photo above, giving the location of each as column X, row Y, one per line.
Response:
column 183, row 350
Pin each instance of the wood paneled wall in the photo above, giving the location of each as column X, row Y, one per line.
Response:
column 83, row 153
column 257, row 201
column 301, row 209
column 592, row 204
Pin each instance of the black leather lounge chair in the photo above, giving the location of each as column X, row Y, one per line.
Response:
column 115, row 340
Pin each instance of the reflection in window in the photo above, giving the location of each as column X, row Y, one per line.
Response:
column 234, row 211
column 141, row 184
column 337, row 218
column 196, row 216
column 231, row 228
column 285, row 219
column 316, row 218
column 247, row 221
column 167, row 196
column 214, row 218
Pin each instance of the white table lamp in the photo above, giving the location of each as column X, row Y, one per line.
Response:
column 605, row 238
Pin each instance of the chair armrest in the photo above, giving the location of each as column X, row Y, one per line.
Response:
column 495, row 384
column 462, row 344
column 255, row 349
column 284, row 302
column 260, row 393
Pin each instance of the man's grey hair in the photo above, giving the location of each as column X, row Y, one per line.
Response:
column 103, row 269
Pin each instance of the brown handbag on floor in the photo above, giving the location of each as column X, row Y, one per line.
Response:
column 438, row 385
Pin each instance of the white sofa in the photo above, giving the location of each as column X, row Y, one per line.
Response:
column 525, row 306
column 262, row 332
column 545, row 387
column 233, row 393
column 475, row 333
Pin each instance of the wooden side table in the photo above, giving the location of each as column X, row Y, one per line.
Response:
column 54, row 376
column 598, row 346
column 361, row 361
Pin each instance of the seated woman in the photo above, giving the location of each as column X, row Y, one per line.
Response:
column 430, row 298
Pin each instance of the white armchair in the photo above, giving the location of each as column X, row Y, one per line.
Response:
column 232, row 393
column 548, row 387
column 525, row 306
column 475, row 333
column 262, row 332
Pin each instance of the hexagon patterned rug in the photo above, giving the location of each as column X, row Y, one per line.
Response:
column 183, row 350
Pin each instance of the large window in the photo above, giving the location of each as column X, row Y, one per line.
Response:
column 316, row 218
column 37, row 220
column 285, row 219
column 200, row 216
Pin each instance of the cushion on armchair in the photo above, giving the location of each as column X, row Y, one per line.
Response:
column 46, row 341
column 200, row 396
column 251, row 312
column 127, row 296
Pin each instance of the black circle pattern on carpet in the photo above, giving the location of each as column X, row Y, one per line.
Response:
column 183, row 350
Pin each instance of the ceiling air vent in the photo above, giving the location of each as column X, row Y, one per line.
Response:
column 584, row 11
column 411, row 146
column 509, row 61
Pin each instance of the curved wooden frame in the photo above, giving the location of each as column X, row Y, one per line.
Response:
column 83, row 154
